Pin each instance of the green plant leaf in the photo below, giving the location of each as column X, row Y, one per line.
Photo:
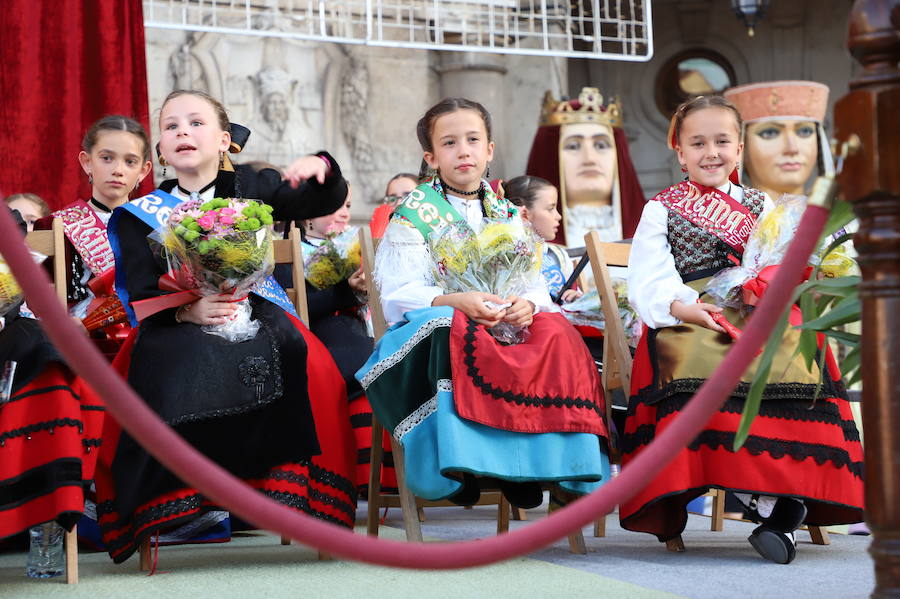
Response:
column 841, row 215
column 850, row 339
column 847, row 310
column 852, row 360
column 820, row 362
column 754, row 395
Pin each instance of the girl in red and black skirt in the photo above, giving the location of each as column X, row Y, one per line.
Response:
column 802, row 461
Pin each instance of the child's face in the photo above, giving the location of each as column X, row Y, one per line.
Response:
column 190, row 137
column 116, row 163
column 709, row 145
column 543, row 215
column 461, row 149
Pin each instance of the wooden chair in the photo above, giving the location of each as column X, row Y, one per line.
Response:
column 286, row 251
column 409, row 504
column 52, row 243
column 617, row 362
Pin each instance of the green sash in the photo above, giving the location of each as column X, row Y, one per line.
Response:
column 428, row 210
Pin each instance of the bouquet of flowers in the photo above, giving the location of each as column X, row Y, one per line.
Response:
column 766, row 246
column 10, row 292
column 334, row 261
column 503, row 259
column 586, row 311
column 223, row 246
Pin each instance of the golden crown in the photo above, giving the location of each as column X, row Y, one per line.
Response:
column 588, row 108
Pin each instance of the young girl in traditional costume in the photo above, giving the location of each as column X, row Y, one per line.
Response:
column 272, row 409
column 537, row 199
column 468, row 411
column 802, row 461
column 50, row 423
column 115, row 156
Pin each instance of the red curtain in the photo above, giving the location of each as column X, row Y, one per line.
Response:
column 63, row 65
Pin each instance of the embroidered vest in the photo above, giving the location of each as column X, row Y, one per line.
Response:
column 695, row 248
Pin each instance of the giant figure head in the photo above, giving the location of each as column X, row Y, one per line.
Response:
column 784, row 140
column 581, row 148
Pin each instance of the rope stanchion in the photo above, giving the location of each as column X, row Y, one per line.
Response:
column 226, row 490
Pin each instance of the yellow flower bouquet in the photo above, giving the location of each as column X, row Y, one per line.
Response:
column 503, row 258
column 334, row 260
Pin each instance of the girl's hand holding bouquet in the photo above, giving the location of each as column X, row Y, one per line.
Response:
column 220, row 249
column 500, row 262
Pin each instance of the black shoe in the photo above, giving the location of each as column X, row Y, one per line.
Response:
column 773, row 545
column 787, row 515
column 469, row 494
column 522, row 495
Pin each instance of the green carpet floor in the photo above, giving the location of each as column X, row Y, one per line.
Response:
column 255, row 565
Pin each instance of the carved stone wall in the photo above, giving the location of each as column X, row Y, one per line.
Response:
column 802, row 39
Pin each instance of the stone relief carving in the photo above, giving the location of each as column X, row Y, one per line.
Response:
column 354, row 103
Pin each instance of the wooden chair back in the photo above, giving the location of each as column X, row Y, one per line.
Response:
column 52, row 243
column 367, row 246
column 288, row 251
column 616, row 353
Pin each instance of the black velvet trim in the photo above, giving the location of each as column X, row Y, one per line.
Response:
column 804, row 411
column 302, row 503
column 90, row 443
column 39, row 481
column 756, row 445
column 49, row 425
column 361, row 420
column 332, row 479
column 301, row 480
column 42, row 390
column 488, row 389
column 364, row 456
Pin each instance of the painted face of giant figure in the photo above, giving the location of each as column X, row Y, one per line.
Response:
column 581, row 149
column 780, row 155
column 587, row 154
column 783, row 134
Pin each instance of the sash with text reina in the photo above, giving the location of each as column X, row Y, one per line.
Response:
column 712, row 210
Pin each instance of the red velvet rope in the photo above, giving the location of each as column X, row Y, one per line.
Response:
column 223, row 488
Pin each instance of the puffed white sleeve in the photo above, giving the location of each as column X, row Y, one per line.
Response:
column 653, row 281
column 403, row 271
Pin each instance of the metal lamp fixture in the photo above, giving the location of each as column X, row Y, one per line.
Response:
column 750, row 11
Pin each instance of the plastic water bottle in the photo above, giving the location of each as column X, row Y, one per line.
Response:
column 46, row 557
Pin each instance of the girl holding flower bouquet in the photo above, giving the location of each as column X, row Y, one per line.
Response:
column 802, row 461
column 271, row 409
column 469, row 411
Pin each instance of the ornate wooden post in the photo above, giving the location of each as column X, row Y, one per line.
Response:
column 871, row 180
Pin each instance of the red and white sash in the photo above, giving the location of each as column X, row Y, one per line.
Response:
column 712, row 210
column 87, row 233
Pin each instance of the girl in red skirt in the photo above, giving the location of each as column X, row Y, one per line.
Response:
column 802, row 461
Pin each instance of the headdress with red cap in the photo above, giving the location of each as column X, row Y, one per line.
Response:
column 544, row 160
